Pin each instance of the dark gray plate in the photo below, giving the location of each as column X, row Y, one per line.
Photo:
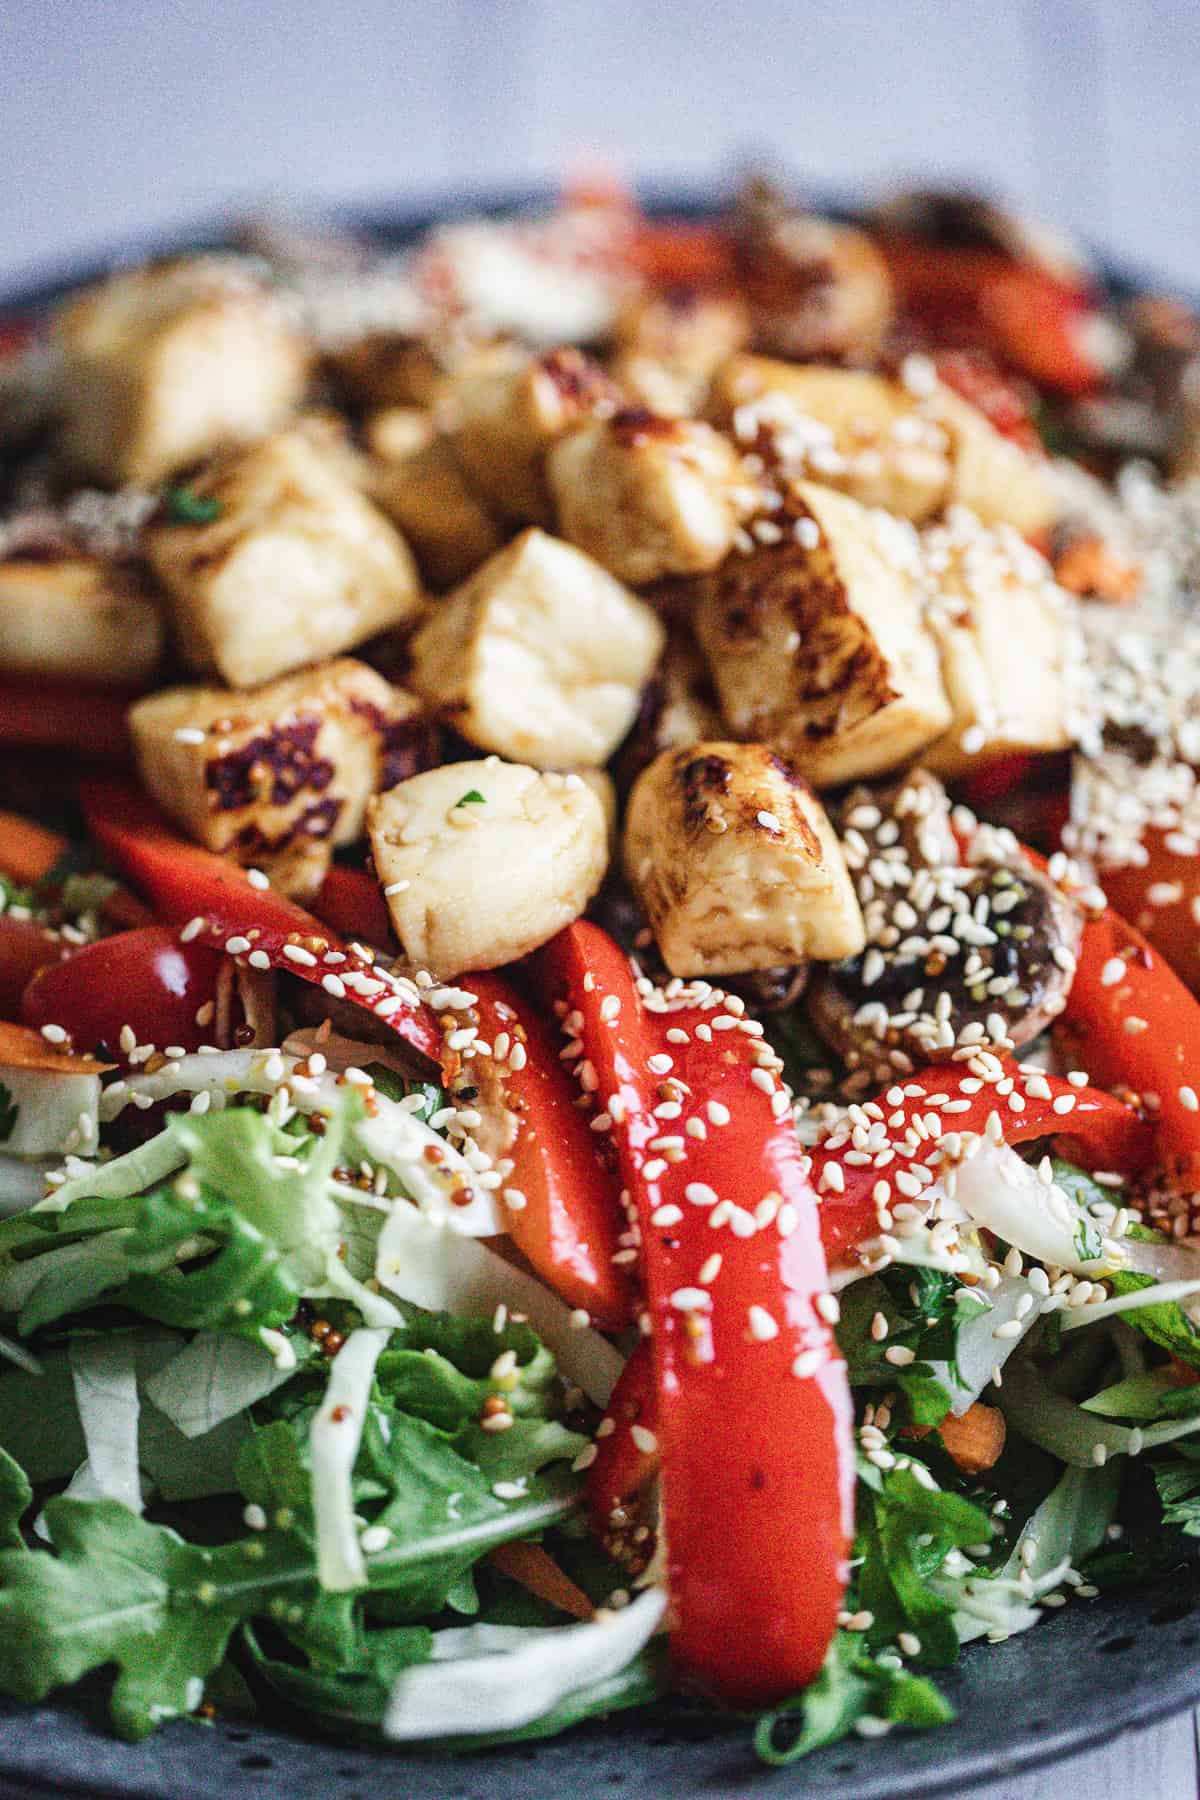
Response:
column 1089, row 1672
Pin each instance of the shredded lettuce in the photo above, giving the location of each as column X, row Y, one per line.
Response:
column 490, row 1679
column 104, row 1373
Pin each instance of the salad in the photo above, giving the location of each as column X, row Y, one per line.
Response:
column 599, row 1051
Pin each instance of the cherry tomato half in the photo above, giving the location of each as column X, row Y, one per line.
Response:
column 25, row 947
column 145, row 979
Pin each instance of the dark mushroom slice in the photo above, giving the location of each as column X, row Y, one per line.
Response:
column 890, row 832
column 987, row 961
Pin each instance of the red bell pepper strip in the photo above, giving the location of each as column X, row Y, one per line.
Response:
column 1136, row 1028
column 217, row 903
column 145, row 980
column 625, row 1467
column 569, row 1227
column 50, row 717
column 1160, row 899
column 1029, row 319
column 754, row 1417
column 352, row 902
column 1097, row 1132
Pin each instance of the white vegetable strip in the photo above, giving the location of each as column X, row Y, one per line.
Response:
column 22, row 1184
column 212, row 1378
column 482, row 1685
column 132, row 1173
column 1159, row 1295
column 430, row 1266
column 1006, row 1195
column 391, row 1136
column 105, row 1380
column 978, row 1351
column 1057, row 1425
column 54, row 1113
column 334, row 1438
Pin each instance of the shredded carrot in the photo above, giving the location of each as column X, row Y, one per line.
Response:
column 28, row 851
column 537, row 1572
column 974, row 1440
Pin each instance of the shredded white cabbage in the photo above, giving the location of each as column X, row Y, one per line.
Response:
column 1160, row 1294
column 212, row 1378
column 424, row 1262
column 978, row 1351
column 1008, row 1197
column 1066, row 1431
column 391, row 1137
column 497, row 1678
column 54, row 1113
column 334, row 1438
column 104, row 1374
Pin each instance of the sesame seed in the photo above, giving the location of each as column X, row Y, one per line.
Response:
column 762, row 1324
column 899, row 1356
column 700, row 1194
column 827, row 1306
column 298, row 954
column 717, row 1113
column 710, row 1268
column 1187, row 1098
column 236, row 946
column 1113, row 971
column 807, row 1364
column 54, row 1034
column 691, row 1299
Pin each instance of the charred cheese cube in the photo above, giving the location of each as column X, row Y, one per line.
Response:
column 279, row 776
column 910, row 445
column 398, row 431
column 502, row 421
column 295, row 564
column 77, row 618
column 844, row 428
column 993, row 477
column 427, row 495
column 646, row 496
column 162, row 366
column 670, row 343
column 541, row 655
column 1003, row 630
column 819, row 647
column 735, row 863
column 483, row 861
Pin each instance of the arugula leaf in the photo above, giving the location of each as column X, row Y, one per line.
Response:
column 16, row 1496
column 1177, row 1481
column 850, row 1686
column 905, row 1533
column 8, row 1113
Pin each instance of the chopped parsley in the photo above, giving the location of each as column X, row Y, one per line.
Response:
column 8, row 1113
column 472, row 797
column 186, row 507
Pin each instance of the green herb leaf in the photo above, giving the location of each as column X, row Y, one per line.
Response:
column 472, row 797
column 186, row 507
column 850, row 1686
column 905, row 1533
column 16, row 1496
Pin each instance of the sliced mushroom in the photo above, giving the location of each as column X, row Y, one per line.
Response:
column 956, row 957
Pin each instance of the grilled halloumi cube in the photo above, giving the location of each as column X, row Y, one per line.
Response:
column 502, row 420
column 670, row 344
column 164, row 365
column 427, row 495
column 993, row 477
column 77, row 618
column 293, row 565
column 845, row 428
column 1003, row 630
column 646, row 496
column 819, row 647
column 397, row 431
column 279, row 776
column 541, row 655
column 911, row 445
column 483, row 861
column 735, row 863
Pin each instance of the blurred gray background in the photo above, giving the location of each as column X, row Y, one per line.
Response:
column 116, row 115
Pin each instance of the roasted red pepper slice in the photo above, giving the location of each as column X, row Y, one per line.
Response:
column 352, row 902
column 217, row 903
column 145, row 979
column 754, row 1416
column 625, row 1466
column 981, row 299
column 570, row 1224
column 1093, row 1129
column 47, row 716
column 1136, row 1028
